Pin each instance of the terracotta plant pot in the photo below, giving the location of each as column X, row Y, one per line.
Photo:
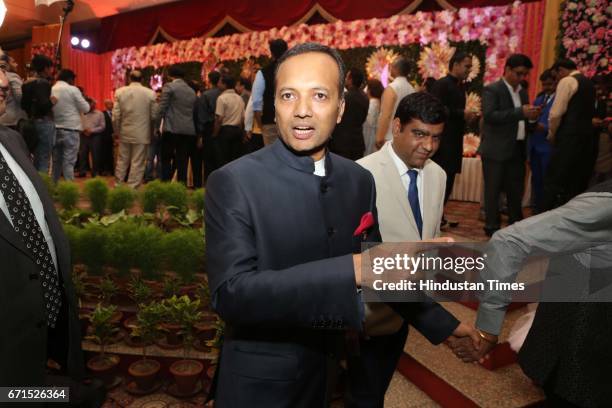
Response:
column 172, row 333
column 104, row 368
column 186, row 375
column 205, row 330
column 144, row 373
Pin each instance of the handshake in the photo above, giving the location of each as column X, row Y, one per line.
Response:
column 470, row 344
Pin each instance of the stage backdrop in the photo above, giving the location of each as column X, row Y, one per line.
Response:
column 500, row 29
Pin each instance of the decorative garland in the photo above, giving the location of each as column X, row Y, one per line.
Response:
column 586, row 33
column 434, row 60
column 499, row 28
column 47, row 49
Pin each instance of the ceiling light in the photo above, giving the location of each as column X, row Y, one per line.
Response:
column 75, row 41
column 85, row 43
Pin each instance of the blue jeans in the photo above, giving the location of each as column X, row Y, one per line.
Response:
column 65, row 154
column 45, row 130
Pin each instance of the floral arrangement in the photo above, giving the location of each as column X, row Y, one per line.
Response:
column 499, row 28
column 473, row 102
column 249, row 69
column 46, row 49
column 434, row 59
column 379, row 63
column 586, row 33
column 470, row 145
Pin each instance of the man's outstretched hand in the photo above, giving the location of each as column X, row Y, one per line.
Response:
column 470, row 349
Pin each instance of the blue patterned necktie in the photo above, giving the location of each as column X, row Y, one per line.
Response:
column 413, row 199
column 26, row 226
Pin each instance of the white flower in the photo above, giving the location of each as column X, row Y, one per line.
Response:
column 593, row 49
column 572, row 6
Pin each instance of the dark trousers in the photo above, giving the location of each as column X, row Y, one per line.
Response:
column 107, row 162
column 450, row 182
column 505, row 175
column 228, row 144
column 254, row 143
column 539, row 159
column 202, row 158
column 369, row 374
column 175, row 150
column 568, row 173
column 90, row 144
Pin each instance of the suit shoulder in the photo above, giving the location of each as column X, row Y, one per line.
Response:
column 349, row 166
column 370, row 161
column 435, row 168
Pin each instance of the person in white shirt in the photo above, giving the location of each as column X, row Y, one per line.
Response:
column 375, row 90
column 506, row 112
column 67, row 116
column 91, row 138
column 393, row 94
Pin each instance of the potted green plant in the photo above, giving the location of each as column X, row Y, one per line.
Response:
column 145, row 371
column 140, row 293
column 121, row 198
column 186, row 372
column 96, row 191
column 67, row 194
column 173, row 310
column 108, row 289
column 103, row 329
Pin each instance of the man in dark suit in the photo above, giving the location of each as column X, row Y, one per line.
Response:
column 451, row 91
column 570, row 131
column 38, row 305
column 283, row 256
column 107, row 143
column 347, row 139
column 506, row 111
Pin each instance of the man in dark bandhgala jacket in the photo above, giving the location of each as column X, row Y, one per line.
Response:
column 570, row 131
column 347, row 139
column 283, row 256
column 451, row 91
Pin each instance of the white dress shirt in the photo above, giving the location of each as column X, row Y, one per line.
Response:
column 402, row 169
column 320, row 167
column 516, row 99
column 33, row 197
column 70, row 104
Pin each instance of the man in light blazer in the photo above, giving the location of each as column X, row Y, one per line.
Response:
column 134, row 112
column 410, row 201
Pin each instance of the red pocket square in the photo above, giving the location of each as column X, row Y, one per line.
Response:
column 367, row 220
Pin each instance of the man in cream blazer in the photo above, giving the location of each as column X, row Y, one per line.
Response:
column 405, row 213
column 134, row 113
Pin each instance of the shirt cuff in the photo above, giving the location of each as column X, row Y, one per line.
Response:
column 490, row 320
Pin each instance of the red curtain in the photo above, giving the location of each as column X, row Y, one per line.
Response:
column 532, row 42
column 193, row 18
column 93, row 73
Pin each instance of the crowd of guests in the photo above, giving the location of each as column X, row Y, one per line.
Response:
column 184, row 128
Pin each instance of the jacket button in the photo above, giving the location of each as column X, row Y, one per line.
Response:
column 331, row 231
column 324, row 188
column 33, row 276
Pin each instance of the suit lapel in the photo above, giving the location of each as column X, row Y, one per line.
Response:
column 429, row 206
column 399, row 192
column 55, row 227
column 506, row 93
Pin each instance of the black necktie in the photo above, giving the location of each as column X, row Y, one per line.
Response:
column 26, row 226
